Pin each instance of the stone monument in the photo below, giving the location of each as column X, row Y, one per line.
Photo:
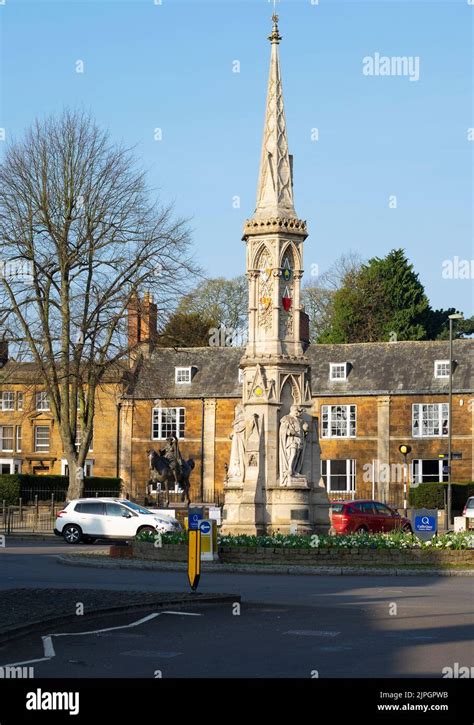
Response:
column 273, row 481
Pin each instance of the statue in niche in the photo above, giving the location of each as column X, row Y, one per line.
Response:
column 293, row 434
column 243, row 429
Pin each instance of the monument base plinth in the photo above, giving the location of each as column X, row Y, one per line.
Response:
column 295, row 508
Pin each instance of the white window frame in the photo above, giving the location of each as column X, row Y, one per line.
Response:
column 157, row 423
column 333, row 367
column 7, row 396
column 178, row 372
column 350, row 475
column 41, row 448
column 19, row 400
column 417, row 414
column 438, row 363
column 329, row 415
column 13, row 463
column 88, row 465
column 7, row 450
column 417, row 470
column 18, row 438
column 42, row 400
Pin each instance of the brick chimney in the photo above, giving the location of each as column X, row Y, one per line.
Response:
column 3, row 352
column 142, row 321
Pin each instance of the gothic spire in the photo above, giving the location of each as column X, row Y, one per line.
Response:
column 275, row 184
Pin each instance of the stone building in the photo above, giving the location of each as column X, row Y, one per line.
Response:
column 367, row 399
column 29, row 438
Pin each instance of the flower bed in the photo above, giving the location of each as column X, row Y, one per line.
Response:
column 363, row 550
column 462, row 540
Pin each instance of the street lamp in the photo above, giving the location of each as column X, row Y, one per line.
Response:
column 405, row 450
column 456, row 316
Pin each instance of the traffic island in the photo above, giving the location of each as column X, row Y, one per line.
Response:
column 28, row 611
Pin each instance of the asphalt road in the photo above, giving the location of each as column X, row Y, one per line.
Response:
column 288, row 626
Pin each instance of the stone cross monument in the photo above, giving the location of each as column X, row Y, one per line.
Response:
column 273, row 481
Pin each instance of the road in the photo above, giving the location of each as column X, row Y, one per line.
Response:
column 287, row 626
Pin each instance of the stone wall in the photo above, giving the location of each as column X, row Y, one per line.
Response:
column 313, row 557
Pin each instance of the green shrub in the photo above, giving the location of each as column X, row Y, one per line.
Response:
column 51, row 482
column 101, row 483
column 10, row 488
column 28, row 486
column 427, row 495
column 431, row 495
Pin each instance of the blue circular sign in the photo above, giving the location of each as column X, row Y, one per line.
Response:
column 205, row 527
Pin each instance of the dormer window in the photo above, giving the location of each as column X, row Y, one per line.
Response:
column 182, row 375
column 338, row 371
column 441, row 369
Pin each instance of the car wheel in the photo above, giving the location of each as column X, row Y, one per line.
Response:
column 72, row 534
column 407, row 529
column 362, row 530
column 149, row 529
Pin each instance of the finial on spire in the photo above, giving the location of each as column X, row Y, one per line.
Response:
column 275, row 37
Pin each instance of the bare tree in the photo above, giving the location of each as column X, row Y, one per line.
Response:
column 223, row 300
column 80, row 236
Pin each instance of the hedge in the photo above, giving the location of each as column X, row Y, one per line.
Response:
column 25, row 485
column 431, row 495
column 9, row 489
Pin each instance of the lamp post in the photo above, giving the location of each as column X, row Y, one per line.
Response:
column 405, row 450
column 456, row 316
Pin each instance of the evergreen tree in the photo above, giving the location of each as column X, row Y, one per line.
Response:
column 384, row 300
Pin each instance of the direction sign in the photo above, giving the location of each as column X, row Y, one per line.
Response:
column 205, row 527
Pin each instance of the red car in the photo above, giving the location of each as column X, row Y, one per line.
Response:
column 366, row 516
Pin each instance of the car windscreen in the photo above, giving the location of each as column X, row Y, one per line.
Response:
column 337, row 508
column 470, row 503
column 136, row 507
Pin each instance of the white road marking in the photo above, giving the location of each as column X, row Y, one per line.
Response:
column 47, row 639
column 48, row 647
column 312, row 633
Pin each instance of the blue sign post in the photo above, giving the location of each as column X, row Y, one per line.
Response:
column 425, row 523
column 205, row 527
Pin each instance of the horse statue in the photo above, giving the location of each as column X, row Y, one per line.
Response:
column 168, row 466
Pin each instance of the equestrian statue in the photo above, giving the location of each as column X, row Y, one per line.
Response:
column 168, row 466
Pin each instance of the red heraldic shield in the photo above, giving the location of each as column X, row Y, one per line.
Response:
column 286, row 301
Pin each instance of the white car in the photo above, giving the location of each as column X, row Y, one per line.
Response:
column 87, row 519
column 469, row 508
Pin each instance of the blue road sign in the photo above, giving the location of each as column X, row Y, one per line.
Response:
column 425, row 523
column 205, row 527
column 194, row 522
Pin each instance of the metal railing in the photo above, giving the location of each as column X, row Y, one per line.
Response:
column 46, row 495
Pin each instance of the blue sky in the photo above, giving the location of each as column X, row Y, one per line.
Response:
column 170, row 66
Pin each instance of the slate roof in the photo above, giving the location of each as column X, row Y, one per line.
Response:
column 375, row 369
